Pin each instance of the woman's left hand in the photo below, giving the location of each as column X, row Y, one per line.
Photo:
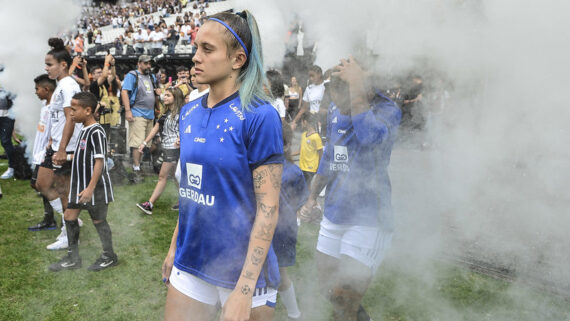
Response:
column 238, row 305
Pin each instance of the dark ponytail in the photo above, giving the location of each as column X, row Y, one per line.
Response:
column 59, row 51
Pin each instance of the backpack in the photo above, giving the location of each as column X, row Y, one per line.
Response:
column 133, row 94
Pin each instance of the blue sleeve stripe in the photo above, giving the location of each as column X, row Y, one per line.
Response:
column 273, row 159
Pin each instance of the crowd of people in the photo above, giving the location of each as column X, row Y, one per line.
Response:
column 226, row 129
column 144, row 25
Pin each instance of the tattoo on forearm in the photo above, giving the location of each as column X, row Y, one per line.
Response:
column 249, row 275
column 257, row 256
column 259, row 178
column 267, row 210
column 245, row 290
column 265, row 232
column 260, row 196
column 275, row 171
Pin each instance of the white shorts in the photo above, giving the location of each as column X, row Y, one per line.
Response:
column 207, row 293
column 366, row 244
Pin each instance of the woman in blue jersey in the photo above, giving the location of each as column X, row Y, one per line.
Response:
column 231, row 156
column 356, row 229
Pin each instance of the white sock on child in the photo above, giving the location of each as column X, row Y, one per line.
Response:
column 290, row 302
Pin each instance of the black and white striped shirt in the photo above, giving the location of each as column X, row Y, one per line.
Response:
column 90, row 145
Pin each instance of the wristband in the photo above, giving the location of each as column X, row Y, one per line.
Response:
column 144, row 143
column 68, row 157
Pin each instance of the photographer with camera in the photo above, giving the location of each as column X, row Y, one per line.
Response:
column 105, row 87
column 78, row 71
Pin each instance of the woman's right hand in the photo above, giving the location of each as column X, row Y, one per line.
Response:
column 141, row 148
column 167, row 267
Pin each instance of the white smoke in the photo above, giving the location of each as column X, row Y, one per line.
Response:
column 496, row 176
column 27, row 26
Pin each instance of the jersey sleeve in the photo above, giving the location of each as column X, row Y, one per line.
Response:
column 99, row 143
column 265, row 140
column 68, row 92
column 378, row 123
column 129, row 82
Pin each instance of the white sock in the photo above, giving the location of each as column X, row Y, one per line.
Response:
column 136, row 168
column 290, row 302
column 57, row 206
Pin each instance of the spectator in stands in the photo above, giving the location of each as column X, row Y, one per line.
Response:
column 140, row 39
column 171, row 39
column 138, row 97
column 78, row 48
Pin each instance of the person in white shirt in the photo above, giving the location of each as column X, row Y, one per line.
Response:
column 156, row 37
column 140, row 38
column 313, row 94
column 63, row 133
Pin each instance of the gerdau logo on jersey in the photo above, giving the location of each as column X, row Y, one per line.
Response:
column 340, row 161
column 194, row 176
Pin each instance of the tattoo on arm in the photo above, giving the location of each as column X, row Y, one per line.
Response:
column 259, row 178
column 249, row 275
column 275, row 171
column 245, row 290
column 257, row 255
column 265, row 232
column 267, row 210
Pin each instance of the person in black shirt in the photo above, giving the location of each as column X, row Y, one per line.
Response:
column 90, row 186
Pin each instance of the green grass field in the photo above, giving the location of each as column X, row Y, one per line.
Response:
column 133, row 290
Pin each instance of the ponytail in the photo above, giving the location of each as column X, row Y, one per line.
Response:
column 59, row 51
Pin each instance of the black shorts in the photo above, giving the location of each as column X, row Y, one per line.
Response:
column 60, row 170
column 97, row 212
column 284, row 245
column 170, row 155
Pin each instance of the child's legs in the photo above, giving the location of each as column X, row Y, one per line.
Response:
column 285, row 281
column 165, row 171
column 98, row 214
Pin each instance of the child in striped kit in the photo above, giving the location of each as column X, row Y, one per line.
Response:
column 90, row 186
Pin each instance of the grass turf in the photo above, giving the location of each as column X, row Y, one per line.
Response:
column 133, row 290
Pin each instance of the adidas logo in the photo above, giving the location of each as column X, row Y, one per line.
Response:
column 335, row 120
column 188, row 129
column 67, row 264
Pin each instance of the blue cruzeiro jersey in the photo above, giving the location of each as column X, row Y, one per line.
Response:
column 355, row 163
column 219, row 148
